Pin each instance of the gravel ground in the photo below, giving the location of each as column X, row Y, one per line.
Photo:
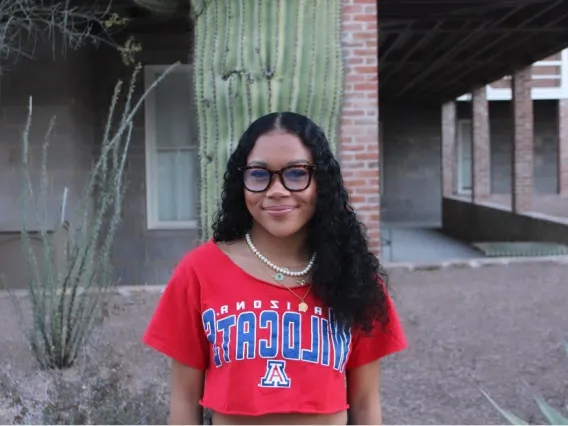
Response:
column 489, row 327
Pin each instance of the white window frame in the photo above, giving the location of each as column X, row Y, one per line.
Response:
column 463, row 125
column 150, row 136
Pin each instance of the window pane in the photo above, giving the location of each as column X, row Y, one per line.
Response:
column 178, row 174
column 174, row 111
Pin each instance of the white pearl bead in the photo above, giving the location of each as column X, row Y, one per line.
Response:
column 284, row 271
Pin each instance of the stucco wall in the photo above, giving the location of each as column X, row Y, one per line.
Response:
column 59, row 87
column 141, row 256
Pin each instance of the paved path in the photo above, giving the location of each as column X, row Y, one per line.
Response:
column 487, row 327
column 422, row 244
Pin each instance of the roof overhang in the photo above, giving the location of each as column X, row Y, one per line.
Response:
column 436, row 50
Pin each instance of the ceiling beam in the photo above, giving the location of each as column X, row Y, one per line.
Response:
column 386, row 76
column 456, row 31
column 439, row 64
column 498, row 56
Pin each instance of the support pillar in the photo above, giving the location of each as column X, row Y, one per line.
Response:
column 448, row 149
column 359, row 144
column 523, row 142
column 481, row 158
column 563, row 147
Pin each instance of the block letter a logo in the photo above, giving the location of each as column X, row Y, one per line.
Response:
column 275, row 376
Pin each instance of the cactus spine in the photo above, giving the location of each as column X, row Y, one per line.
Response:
column 252, row 57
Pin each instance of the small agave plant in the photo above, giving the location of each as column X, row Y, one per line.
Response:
column 552, row 415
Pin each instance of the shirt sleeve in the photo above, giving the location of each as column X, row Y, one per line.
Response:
column 380, row 342
column 176, row 327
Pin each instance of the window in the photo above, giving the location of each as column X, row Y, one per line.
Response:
column 172, row 166
column 464, row 156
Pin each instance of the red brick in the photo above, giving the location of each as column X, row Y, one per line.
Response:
column 364, row 35
column 353, row 8
column 365, row 18
column 362, row 87
column 358, row 148
column 372, row 70
column 481, row 170
column 523, row 146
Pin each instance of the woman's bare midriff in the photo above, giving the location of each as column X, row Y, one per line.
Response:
column 281, row 419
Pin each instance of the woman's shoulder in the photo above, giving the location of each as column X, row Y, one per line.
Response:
column 201, row 256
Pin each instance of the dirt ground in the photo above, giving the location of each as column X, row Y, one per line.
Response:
column 493, row 327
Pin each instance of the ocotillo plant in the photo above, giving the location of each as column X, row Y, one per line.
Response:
column 252, row 57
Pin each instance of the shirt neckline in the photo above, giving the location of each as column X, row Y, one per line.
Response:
column 234, row 265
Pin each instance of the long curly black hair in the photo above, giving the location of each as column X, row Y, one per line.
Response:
column 346, row 275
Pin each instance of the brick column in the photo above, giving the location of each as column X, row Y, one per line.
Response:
column 359, row 145
column 523, row 144
column 563, row 147
column 448, row 149
column 481, row 167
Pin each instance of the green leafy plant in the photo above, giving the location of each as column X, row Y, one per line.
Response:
column 552, row 415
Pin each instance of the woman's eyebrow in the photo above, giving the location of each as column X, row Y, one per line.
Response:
column 289, row 163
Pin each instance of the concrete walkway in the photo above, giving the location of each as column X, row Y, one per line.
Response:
column 421, row 243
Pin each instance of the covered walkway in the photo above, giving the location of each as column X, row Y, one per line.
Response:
column 433, row 52
column 422, row 243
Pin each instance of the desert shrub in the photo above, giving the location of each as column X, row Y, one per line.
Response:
column 67, row 288
column 551, row 414
column 96, row 392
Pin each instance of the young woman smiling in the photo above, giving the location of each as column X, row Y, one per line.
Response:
column 283, row 317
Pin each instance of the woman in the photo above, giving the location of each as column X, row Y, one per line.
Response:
column 269, row 321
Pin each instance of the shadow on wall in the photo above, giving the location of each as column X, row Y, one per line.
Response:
column 13, row 268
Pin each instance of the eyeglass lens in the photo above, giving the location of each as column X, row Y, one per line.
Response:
column 294, row 178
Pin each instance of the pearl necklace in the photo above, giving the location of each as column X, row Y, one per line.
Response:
column 281, row 271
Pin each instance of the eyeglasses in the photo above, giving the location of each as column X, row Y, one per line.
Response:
column 294, row 178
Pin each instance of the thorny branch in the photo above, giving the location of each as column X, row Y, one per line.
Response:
column 25, row 22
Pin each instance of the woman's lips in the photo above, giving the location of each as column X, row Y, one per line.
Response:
column 278, row 211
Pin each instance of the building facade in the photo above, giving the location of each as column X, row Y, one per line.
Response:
column 159, row 216
column 412, row 149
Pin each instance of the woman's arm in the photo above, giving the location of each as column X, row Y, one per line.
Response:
column 186, row 391
column 363, row 394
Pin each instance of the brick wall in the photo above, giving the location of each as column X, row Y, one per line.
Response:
column 523, row 141
column 412, row 172
column 359, row 147
column 481, row 146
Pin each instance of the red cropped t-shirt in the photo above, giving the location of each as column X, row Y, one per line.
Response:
column 260, row 353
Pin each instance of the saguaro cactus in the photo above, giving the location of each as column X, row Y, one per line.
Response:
column 252, row 57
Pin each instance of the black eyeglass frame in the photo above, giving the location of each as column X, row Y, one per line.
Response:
column 309, row 167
